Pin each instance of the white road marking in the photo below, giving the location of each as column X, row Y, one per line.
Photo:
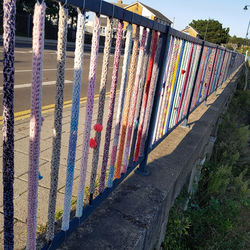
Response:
column 28, row 85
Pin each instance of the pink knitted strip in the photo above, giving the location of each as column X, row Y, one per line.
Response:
column 88, row 115
column 35, row 121
column 134, row 101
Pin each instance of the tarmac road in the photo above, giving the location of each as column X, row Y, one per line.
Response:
column 23, row 77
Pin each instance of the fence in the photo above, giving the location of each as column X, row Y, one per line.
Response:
column 165, row 75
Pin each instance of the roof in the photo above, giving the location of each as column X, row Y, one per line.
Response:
column 157, row 13
column 190, row 27
column 120, row 4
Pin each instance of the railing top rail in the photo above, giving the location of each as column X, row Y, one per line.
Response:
column 108, row 9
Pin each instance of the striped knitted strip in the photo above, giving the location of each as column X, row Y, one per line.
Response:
column 9, row 17
column 134, row 100
column 111, row 104
column 55, row 160
column 163, row 89
column 127, row 103
column 102, row 96
column 213, row 74
column 127, row 53
column 35, row 121
column 145, row 96
column 78, row 64
column 88, row 115
column 151, row 94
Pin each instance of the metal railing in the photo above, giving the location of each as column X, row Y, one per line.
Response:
column 170, row 74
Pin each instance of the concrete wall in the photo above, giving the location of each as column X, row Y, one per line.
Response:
column 135, row 216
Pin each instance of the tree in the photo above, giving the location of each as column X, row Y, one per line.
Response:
column 211, row 30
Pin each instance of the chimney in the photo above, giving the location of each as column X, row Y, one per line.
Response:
column 120, row 1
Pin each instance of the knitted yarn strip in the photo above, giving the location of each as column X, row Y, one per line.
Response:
column 78, row 64
column 56, row 150
column 111, row 104
column 141, row 90
column 35, row 121
column 134, row 100
column 88, row 115
column 169, row 82
column 151, row 95
column 185, row 83
column 171, row 75
column 146, row 92
column 127, row 53
column 127, row 103
column 174, row 84
column 163, row 89
column 9, row 17
column 102, row 96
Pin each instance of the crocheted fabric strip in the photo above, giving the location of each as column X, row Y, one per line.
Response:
column 134, row 100
column 88, row 115
column 126, row 58
column 57, row 132
column 151, row 94
column 102, row 96
column 127, row 103
column 111, row 105
column 145, row 96
column 78, row 64
column 9, row 17
column 35, row 121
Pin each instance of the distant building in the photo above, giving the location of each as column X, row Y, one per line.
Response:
column 191, row 31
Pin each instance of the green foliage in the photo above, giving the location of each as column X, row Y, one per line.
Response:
column 216, row 214
column 211, row 30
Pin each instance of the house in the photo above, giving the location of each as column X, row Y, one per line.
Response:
column 191, row 31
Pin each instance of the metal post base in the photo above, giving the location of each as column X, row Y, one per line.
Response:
column 184, row 124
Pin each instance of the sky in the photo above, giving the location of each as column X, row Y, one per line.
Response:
column 228, row 12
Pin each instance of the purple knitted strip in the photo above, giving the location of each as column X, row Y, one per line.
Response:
column 35, row 121
column 88, row 115
column 9, row 17
column 111, row 104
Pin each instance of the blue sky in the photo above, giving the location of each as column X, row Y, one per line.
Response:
column 229, row 12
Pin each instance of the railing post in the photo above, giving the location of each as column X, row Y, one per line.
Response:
column 184, row 124
column 211, row 77
column 142, row 170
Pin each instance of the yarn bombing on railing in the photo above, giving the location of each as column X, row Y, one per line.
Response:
column 78, row 64
column 127, row 53
column 88, row 115
column 145, row 96
column 151, row 93
column 127, row 103
column 134, row 100
column 55, row 160
column 101, row 104
column 9, row 17
column 35, row 121
column 113, row 88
